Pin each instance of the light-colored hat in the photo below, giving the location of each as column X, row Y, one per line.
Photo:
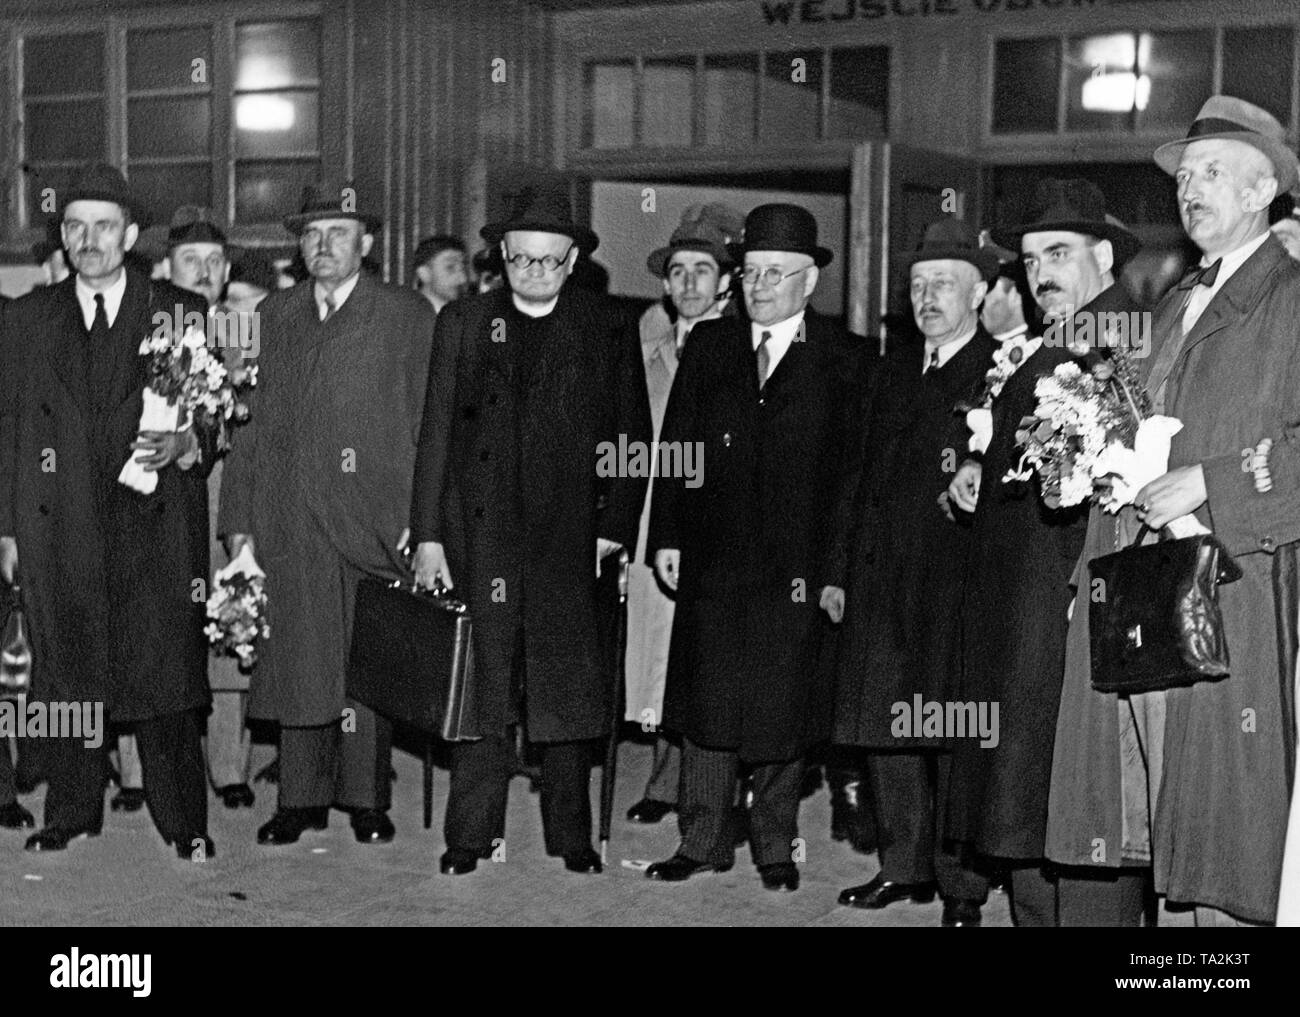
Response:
column 1232, row 119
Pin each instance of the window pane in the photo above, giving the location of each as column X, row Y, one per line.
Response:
column 164, row 188
column 165, row 58
column 609, row 98
column 276, row 123
column 1103, row 85
column 1026, row 83
column 859, row 92
column 730, row 91
column 667, row 102
column 65, row 130
column 1258, row 64
column 792, row 98
column 63, row 64
column 1181, row 68
column 268, row 191
column 36, row 182
column 173, row 126
column 277, row 54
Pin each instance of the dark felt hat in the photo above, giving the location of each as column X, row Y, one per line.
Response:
column 1073, row 206
column 101, row 182
column 194, row 224
column 708, row 229
column 331, row 200
column 950, row 239
column 782, row 227
column 544, row 209
column 1224, row 116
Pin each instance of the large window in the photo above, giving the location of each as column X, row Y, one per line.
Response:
column 216, row 111
column 1136, row 82
column 777, row 98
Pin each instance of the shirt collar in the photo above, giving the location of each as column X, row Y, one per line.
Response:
column 1004, row 337
column 112, row 298
column 341, row 292
column 948, row 350
column 531, row 310
column 783, row 332
column 1233, row 260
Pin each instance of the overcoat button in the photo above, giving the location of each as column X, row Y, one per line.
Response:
column 492, row 399
column 1267, row 543
column 762, row 401
column 478, row 513
column 726, row 439
column 483, row 457
column 45, row 510
column 45, row 408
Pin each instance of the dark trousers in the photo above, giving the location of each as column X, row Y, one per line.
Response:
column 909, row 789
column 344, row 763
column 706, row 807
column 175, row 784
column 1043, row 895
column 7, row 793
column 665, row 772
column 475, row 821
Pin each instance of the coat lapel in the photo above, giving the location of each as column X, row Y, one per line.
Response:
column 65, row 349
column 1237, row 296
column 132, row 324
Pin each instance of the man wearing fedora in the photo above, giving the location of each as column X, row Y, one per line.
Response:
column 440, row 270
column 526, row 386
column 773, row 404
column 319, row 484
column 696, row 268
column 107, row 572
column 1216, row 756
column 1016, row 591
column 904, row 571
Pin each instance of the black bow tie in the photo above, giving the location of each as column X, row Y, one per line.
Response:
column 1198, row 276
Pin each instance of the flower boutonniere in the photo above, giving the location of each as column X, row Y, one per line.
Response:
column 1007, row 359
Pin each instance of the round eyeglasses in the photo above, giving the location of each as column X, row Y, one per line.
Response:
column 548, row 262
column 771, row 276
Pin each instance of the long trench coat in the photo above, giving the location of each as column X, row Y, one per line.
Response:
column 110, row 577
column 906, row 560
column 755, row 534
column 1228, row 748
column 321, row 478
column 509, row 480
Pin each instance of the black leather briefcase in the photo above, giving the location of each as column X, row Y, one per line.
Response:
column 411, row 658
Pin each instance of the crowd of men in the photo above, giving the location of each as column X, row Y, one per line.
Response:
column 852, row 549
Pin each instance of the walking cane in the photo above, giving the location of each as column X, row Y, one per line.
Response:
column 616, row 710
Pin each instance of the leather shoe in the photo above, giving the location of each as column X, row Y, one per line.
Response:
column 236, row 796
column 188, row 848
column 372, row 826
column 127, row 799
column 14, row 817
column 679, row 868
column 958, row 913
column 585, row 861
column 455, row 862
column 882, row 892
column 55, row 838
column 780, row 876
column 287, row 825
column 647, row 810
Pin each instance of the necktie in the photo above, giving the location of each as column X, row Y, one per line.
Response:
column 99, row 326
column 764, row 358
column 99, row 357
column 330, row 308
column 1198, row 276
column 933, row 364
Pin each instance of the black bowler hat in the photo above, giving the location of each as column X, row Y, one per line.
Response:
column 950, row 239
column 193, row 224
column 330, row 200
column 543, row 209
column 1073, row 206
column 781, row 227
column 101, row 182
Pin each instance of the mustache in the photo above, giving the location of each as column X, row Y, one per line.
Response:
column 1195, row 205
column 1045, row 288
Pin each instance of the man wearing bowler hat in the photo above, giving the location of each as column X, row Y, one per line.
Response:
column 512, row 511
column 772, row 403
column 107, row 572
column 1216, row 757
column 898, row 648
column 318, row 484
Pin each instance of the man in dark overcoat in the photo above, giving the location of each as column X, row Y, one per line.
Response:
column 769, row 407
column 531, row 391
column 320, row 482
column 905, row 564
column 1022, row 553
column 108, row 574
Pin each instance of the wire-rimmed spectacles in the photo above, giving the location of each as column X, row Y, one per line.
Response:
column 771, row 276
column 549, row 262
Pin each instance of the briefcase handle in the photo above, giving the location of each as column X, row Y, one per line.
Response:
column 1229, row 571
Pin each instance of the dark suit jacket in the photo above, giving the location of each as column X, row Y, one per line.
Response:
column 108, row 574
column 508, row 479
column 754, row 534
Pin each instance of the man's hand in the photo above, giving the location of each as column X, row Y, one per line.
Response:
column 1170, row 496
column 8, row 559
column 832, row 602
column 235, row 543
column 604, row 548
column 430, row 564
column 668, row 565
column 964, row 491
column 164, row 447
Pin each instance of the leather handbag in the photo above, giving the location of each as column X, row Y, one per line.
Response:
column 1154, row 617
column 411, row 658
column 15, row 651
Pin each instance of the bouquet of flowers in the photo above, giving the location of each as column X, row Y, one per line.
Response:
column 237, row 608
column 187, row 385
column 1092, row 435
